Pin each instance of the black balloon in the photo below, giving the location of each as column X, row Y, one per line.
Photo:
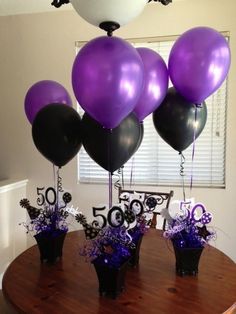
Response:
column 111, row 149
column 176, row 121
column 56, row 133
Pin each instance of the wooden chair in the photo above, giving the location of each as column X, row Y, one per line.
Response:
column 162, row 201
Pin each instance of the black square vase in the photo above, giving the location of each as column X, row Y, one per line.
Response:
column 187, row 260
column 111, row 280
column 50, row 246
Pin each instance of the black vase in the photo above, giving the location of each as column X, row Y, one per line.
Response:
column 187, row 260
column 134, row 259
column 111, row 279
column 50, row 245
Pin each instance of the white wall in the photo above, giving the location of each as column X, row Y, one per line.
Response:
column 41, row 46
column 13, row 239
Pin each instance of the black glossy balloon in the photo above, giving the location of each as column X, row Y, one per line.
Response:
column 174, row 120
column 111, row 149
column 56, row 133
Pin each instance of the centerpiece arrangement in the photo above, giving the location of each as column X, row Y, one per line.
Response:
column 109, row 250
column 48, row 224
column 189, row 235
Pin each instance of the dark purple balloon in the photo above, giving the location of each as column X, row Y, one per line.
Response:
column 42, row 94
column 107, row 79
column 199, row 63
column 155, row 83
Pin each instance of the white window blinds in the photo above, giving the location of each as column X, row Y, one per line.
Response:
column 156, row 163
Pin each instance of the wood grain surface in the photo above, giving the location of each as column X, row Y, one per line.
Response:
column 71, row 285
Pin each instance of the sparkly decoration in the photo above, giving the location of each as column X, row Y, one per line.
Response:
column 203, row 232
column 51, row 218
column 90, row 231
column 206, row 218
column 81, row 219
column 108, row 249
column 166, row 215
column 32, row 211
column 129, row 216
column 67, row 198
column 189, row 230
column 136, row 206
column 111, row 247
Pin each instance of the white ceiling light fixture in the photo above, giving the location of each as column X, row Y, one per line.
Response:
column 108, row 14
column 119, row 12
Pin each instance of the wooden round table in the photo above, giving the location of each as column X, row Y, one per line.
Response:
column 71, row 285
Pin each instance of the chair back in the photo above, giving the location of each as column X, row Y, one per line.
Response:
column 153, row 203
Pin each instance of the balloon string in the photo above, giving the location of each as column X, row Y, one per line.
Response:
column 122, row 177
column 194, row 143
column 117, row 184
column 59, row 183
column 131, row 173
column 182, row 174
column 56, row 210
column 110, row 189
column 54, row 176
column 109, row 166
column 119, row 174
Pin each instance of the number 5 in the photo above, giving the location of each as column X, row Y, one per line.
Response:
column 41, row 198
column 95, row 209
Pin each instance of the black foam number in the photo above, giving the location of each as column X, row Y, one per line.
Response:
column 48, row 198
column 41, row 198
column 136, row 206
column 95, row 222
column 119, row 217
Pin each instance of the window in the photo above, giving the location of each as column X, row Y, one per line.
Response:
column 156, row 163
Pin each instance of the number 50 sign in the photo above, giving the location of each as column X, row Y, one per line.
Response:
column 116, row 217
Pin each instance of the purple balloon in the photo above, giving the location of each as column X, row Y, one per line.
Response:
column 199, row 62
column 42, row 94
column 155, row 83
column 107, row 78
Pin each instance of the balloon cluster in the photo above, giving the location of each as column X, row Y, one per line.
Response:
column 198, row 64
column 118, row 86
column 56, row 126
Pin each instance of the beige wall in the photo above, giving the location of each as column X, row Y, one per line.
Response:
column 41, row 46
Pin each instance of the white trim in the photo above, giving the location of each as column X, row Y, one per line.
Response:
column 9, row 185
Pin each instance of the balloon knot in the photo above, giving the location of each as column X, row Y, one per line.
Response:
column 198, row 105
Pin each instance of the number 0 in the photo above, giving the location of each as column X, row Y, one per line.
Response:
column 54, row 196
column 121, row 216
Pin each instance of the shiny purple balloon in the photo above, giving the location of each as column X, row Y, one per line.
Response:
column 155, row 83
column 42, row 94
column 199, row 63
column 107, row 79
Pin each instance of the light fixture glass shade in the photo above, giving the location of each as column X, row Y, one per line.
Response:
column 97, row 11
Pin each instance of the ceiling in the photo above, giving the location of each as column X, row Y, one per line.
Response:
column 12, row 7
